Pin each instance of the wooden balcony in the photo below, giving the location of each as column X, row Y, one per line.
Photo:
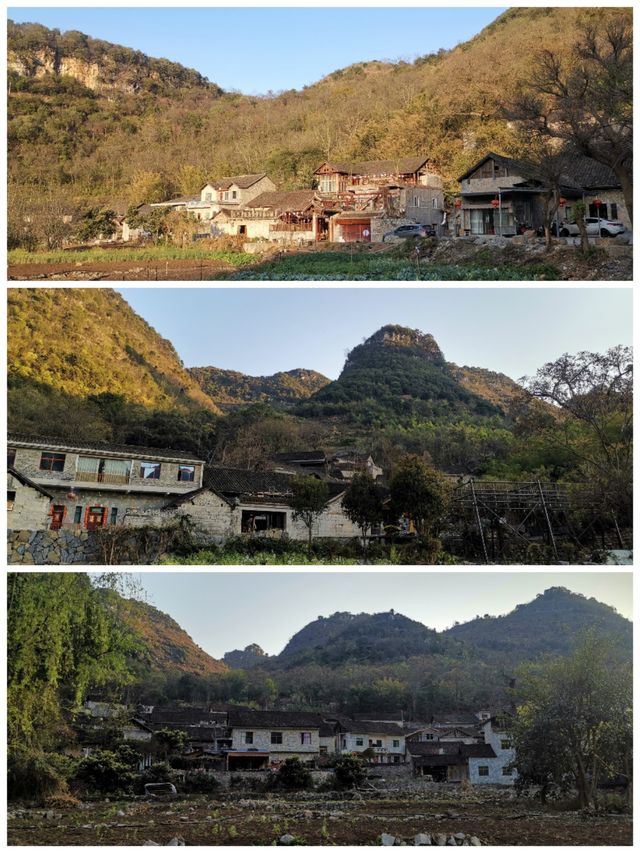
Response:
column 107, row 479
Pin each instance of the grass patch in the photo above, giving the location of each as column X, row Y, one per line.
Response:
column 338, row 266
column 149, row 253
column 235, row 558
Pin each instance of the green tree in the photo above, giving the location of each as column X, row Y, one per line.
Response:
column 308, row 500
column 170, row 741
column 363, row 503
column 421, row 493
column 574, row 721
column 96, row 223
column 294, row 775
column 350, row 772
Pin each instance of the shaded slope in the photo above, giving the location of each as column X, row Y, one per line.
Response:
column 231, row 388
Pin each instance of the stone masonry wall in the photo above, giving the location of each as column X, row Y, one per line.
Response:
column 50, row 547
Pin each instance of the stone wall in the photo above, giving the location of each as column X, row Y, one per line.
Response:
column 51, row 547
column 30, row 508
column 228, row 777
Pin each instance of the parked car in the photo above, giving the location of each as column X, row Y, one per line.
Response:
column 411, row 231
column 595, row 227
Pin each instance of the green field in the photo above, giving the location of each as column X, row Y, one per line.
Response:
column 149, row 253
column 359, row 266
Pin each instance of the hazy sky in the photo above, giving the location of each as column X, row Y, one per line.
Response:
column 259, row 49
column 261, row 331
column 224, row 611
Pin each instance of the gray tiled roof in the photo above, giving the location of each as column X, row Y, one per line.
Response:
column 73, row 445
column 274, row 719
column 237, row 482
column 393, row 166
column 241, row 181
column 27, row 482
column 294, row 201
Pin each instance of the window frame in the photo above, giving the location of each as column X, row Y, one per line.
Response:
column 276, row 738
column 248, row 737
column 305, row 739
column 54, row 460
column 11, row 501
column 157, row 468
column 191, row 468
column 483, row 770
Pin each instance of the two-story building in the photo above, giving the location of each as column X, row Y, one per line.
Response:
column 383, row 743
column 263, row 738
column 231, row 192
column 495, row 769
column 90, row 485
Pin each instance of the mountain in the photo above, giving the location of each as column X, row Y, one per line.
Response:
column 246, row 658
column 495, row 388
column 548, row 624
column 88, row 341
column 398, row 373
column 163, row 646
column 148, row 137
column 364, row 638
column 35, row 52
column 228, row 388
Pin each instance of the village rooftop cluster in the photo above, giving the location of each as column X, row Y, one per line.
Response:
column 373, row 200
column 450, row 747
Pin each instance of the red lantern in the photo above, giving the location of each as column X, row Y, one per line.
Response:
column 495, row 202
column 597, row 202
column 457, row 204
column 72, row 496
column 562, row 201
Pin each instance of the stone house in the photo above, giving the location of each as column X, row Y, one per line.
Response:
column 293, row 216
column 384, row 743
column 28, row 504
column 264, row 738
column 499, row 194
column 235, row 191
column 449, row 762
column 234, row 502
column 91, row 485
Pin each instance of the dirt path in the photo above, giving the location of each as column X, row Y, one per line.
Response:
column 315, row 819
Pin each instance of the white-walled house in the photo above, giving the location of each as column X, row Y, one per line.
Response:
column 260, row 738
column 385, row 740
column 495, row 771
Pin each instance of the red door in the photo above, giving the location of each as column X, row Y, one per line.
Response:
column 57, row 517
column 95, row 517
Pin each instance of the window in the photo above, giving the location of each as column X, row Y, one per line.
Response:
column 77, row 515
column 506, row 771
column 150, row 470
column 344, row 743
column 248, row 737
column 305, row 738
column 505, row 743
column 113, row 516
column 323, row 750
column 226, row 196
column 613, row 207
column 52, row 461
column 11, row 499
column 428, row 737
column 208, row 196
column 396, row 743
column 186, row 473
column 234, row 194
column 276, row 737
column 11, row 456
column 396, row 759
column 359, row 741
column 483, row 770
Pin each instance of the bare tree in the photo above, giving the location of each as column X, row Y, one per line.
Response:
column 587, row 101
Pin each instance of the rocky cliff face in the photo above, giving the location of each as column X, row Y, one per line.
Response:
column 34, row 51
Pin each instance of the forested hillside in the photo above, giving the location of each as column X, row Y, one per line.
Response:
column 396, row 375
column 231, row 388
column 86, row 343
column 161, row 130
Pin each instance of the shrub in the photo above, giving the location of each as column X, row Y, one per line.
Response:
column 200, row 782
column 37, row 775
column 293, row 775
column 350, row 772
column 104, row 772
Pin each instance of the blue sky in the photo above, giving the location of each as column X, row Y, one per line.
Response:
column 259, row 49
column 274, row 606
column 261, row 331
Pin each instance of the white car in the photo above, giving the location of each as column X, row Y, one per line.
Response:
column 595, row 227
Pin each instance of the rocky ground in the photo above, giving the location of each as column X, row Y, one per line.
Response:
column 436, row 816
